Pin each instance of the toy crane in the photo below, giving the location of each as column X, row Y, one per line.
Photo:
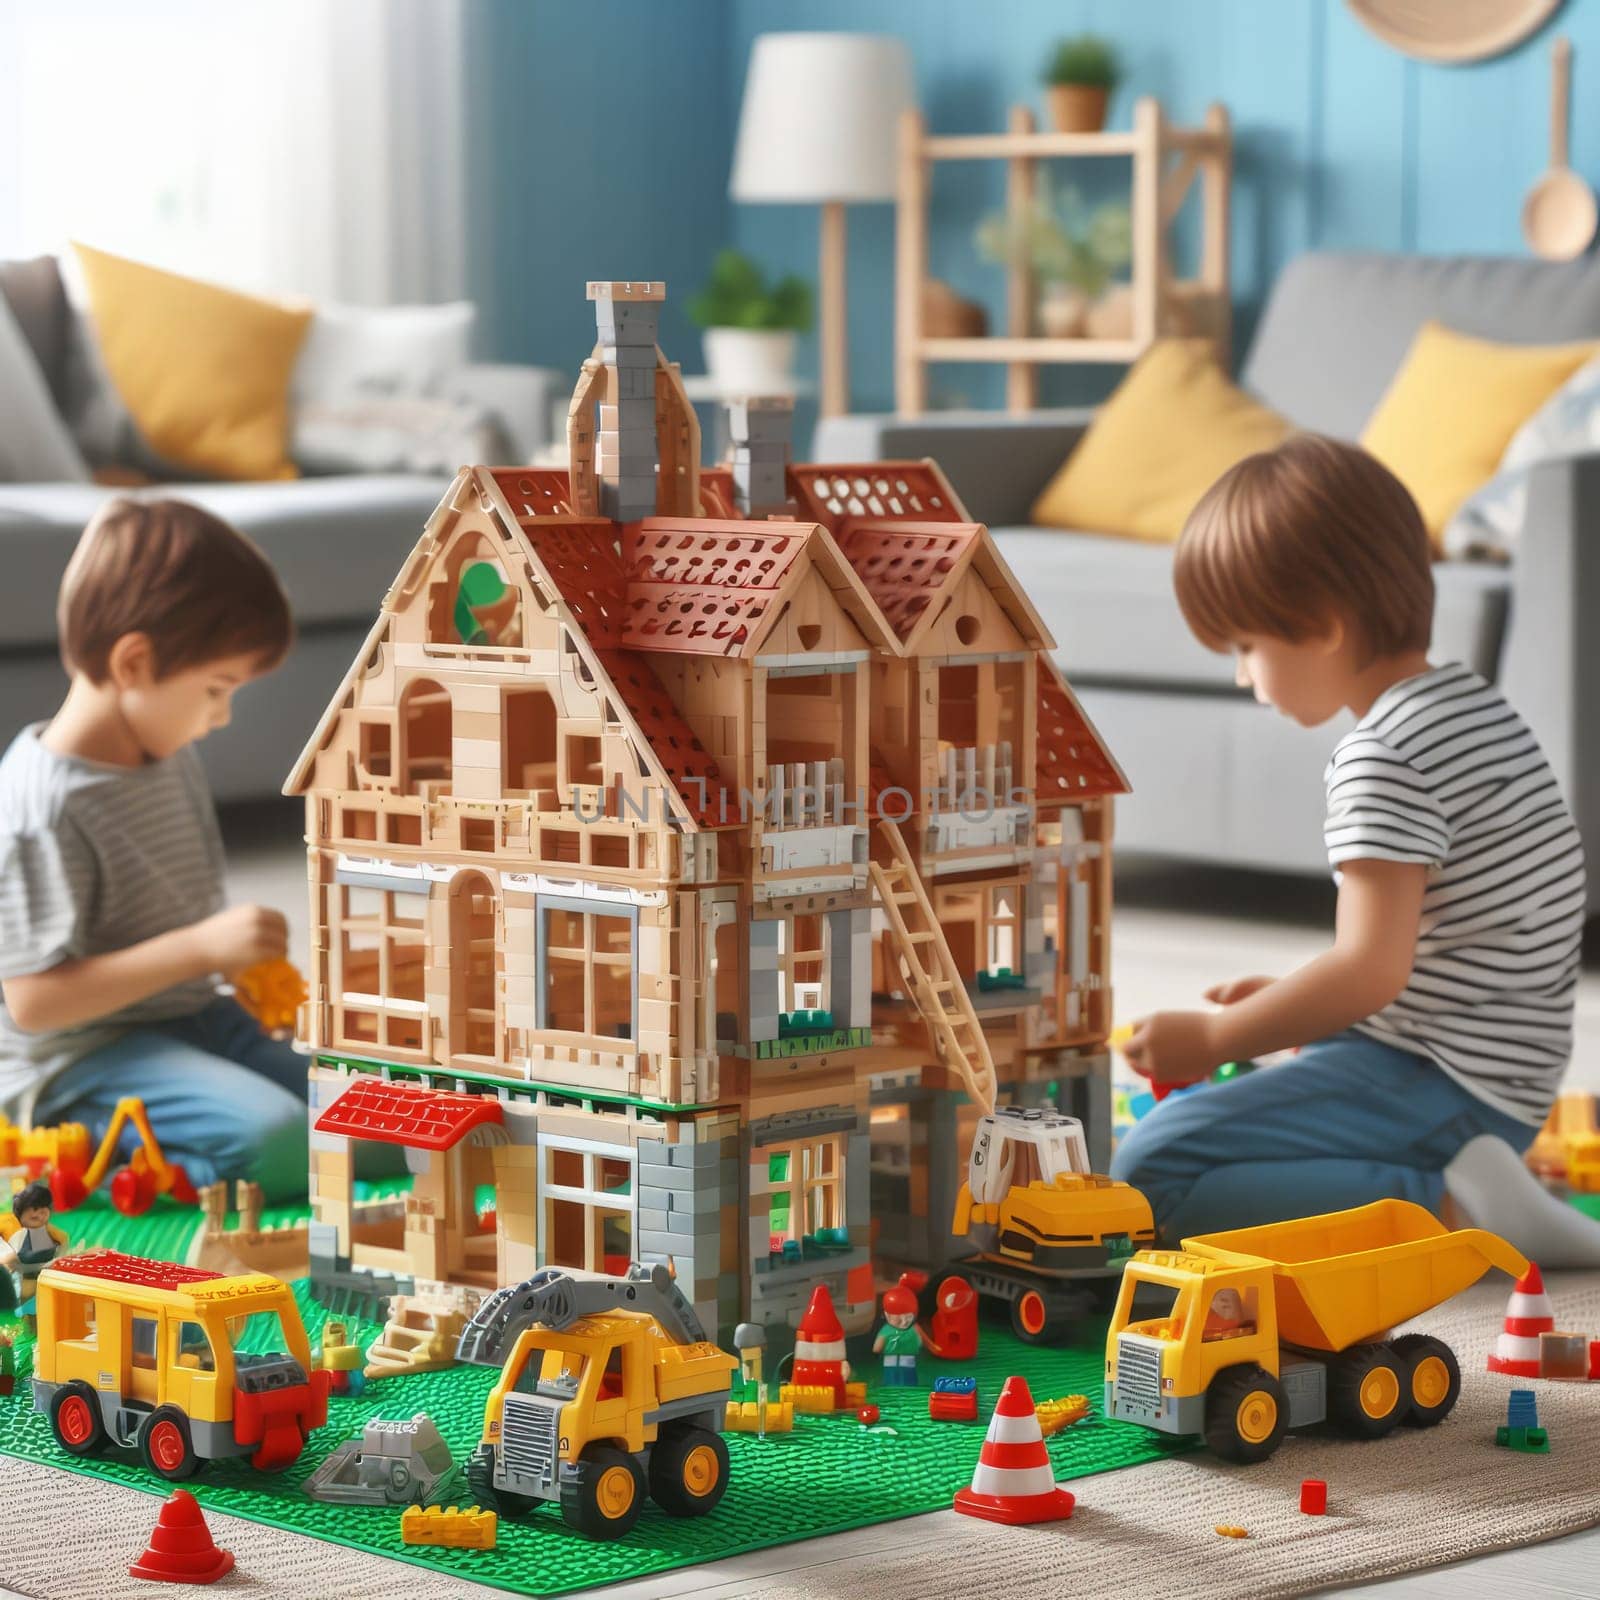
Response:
column 134, row 1187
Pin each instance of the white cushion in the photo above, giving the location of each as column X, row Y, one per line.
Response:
column 352, row 350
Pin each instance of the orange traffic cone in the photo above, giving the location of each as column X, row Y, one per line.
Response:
column 1012, row 1482
column 181, row 1549
column 1528, row 1314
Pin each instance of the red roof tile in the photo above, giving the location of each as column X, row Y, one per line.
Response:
column 408, row 1114
column 685, row 760
column 536, row 491
column 1072, row 762
column 703, row 587
column 884, row 491
column 905, row 567
column 582, row 560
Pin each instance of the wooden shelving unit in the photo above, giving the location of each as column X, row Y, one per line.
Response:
column 1166, row 162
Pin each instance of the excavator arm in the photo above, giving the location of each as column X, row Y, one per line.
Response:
column 556, row 1299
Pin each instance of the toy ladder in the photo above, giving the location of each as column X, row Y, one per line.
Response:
column 936, row 987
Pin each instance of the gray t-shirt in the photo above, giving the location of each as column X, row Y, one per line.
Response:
column 95, row 858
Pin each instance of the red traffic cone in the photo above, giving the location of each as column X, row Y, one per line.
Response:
column 1528, row 1314
column 1012, row 1482
column 819, row 1347
column 181, row 1549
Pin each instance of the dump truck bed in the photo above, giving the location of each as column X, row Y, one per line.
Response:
column 1353, row 1275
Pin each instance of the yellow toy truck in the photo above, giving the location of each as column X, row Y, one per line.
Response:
column 1240, row 1336
column 609, row 1390
column 182, row 1364
column 1567, row 1147
column 1051, row 1235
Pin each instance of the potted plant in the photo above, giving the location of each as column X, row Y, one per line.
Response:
column 749, row 328
column 1080, row 76
column 1071, row 251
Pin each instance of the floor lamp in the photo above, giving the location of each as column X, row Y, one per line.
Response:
column 819, row 125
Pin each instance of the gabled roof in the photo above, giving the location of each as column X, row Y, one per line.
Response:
column 911, row 570
column 1073, row 762
column 702, row 587
column 408, row 1114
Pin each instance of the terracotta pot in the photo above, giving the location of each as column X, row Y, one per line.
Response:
column 1077, row 108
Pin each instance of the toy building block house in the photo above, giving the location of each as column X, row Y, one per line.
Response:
column 692, row 854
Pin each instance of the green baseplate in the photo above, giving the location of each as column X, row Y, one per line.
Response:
column 828, row 1475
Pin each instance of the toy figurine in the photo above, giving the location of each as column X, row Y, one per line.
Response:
column 29, row 1242
column 343, row 1359
column 750, row 1340
column 8, row 1366
column 900, row 1338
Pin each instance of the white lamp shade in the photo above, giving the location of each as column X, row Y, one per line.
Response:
column 821, row 118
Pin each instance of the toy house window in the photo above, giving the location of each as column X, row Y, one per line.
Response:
column 1003, row 931
column 426, row 738
column 585, row 759
column 472, row 601
column 528, row 741
column 382, row 999
column 806, row 1185
column 588, row 972
column 588, row 1206
column 475, row 964
column 979, row 728
column 376, row 750
column 802, row 1001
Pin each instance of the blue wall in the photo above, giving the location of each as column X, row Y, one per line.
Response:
column 1341, row 143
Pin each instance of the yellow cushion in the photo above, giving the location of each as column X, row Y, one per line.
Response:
column 1450, row 411
column 1174, row 425
column 203, row 371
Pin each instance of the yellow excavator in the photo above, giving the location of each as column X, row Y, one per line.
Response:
column 1052, row 1237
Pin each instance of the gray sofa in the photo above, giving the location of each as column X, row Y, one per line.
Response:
column 1215, row 776
column 336, row 542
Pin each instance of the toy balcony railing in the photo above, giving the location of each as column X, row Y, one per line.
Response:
column 975, row 778
column 807, row 794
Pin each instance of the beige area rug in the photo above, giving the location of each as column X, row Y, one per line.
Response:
column 1413, row 1500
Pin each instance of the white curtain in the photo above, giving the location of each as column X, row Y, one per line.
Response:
column 307, row 147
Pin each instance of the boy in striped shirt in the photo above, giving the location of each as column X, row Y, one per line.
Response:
column 113, row 927
column 1443, row 1011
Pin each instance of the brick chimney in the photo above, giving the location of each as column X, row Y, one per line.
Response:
column 759, row 430
column 626, row 315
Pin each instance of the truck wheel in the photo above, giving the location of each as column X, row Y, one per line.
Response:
column 165, row 1445
column 1030, row 1318
column 480, row 1480
column 605, row 1494
column 688, row 1471
column 1433, row 1377
column 1246, row 1414
column 75, row 1419
column 1368, row 1391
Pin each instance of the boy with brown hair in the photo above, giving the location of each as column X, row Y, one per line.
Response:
column 113, row 929
column 1443, row 1011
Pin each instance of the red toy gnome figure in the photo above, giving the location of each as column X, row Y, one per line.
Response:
column 819, row 1348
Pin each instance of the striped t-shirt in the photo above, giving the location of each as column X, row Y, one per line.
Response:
column 1441, row 771
column 95, row 858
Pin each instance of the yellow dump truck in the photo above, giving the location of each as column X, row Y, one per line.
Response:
column 609, row 1393
column 1240, row 1336
column 1051, row 1234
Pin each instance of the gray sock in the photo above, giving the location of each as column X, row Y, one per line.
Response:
column 1492, row 1184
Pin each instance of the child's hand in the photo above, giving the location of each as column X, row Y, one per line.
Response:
column 241, row 936
column 1237, row 989
column 1174, row 1046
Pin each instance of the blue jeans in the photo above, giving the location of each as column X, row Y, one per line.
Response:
column 225, row 1099
column 1347, row 1121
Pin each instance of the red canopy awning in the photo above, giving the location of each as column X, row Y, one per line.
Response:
column 408, row 1114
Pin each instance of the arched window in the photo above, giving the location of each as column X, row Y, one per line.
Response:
column 426, row 732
